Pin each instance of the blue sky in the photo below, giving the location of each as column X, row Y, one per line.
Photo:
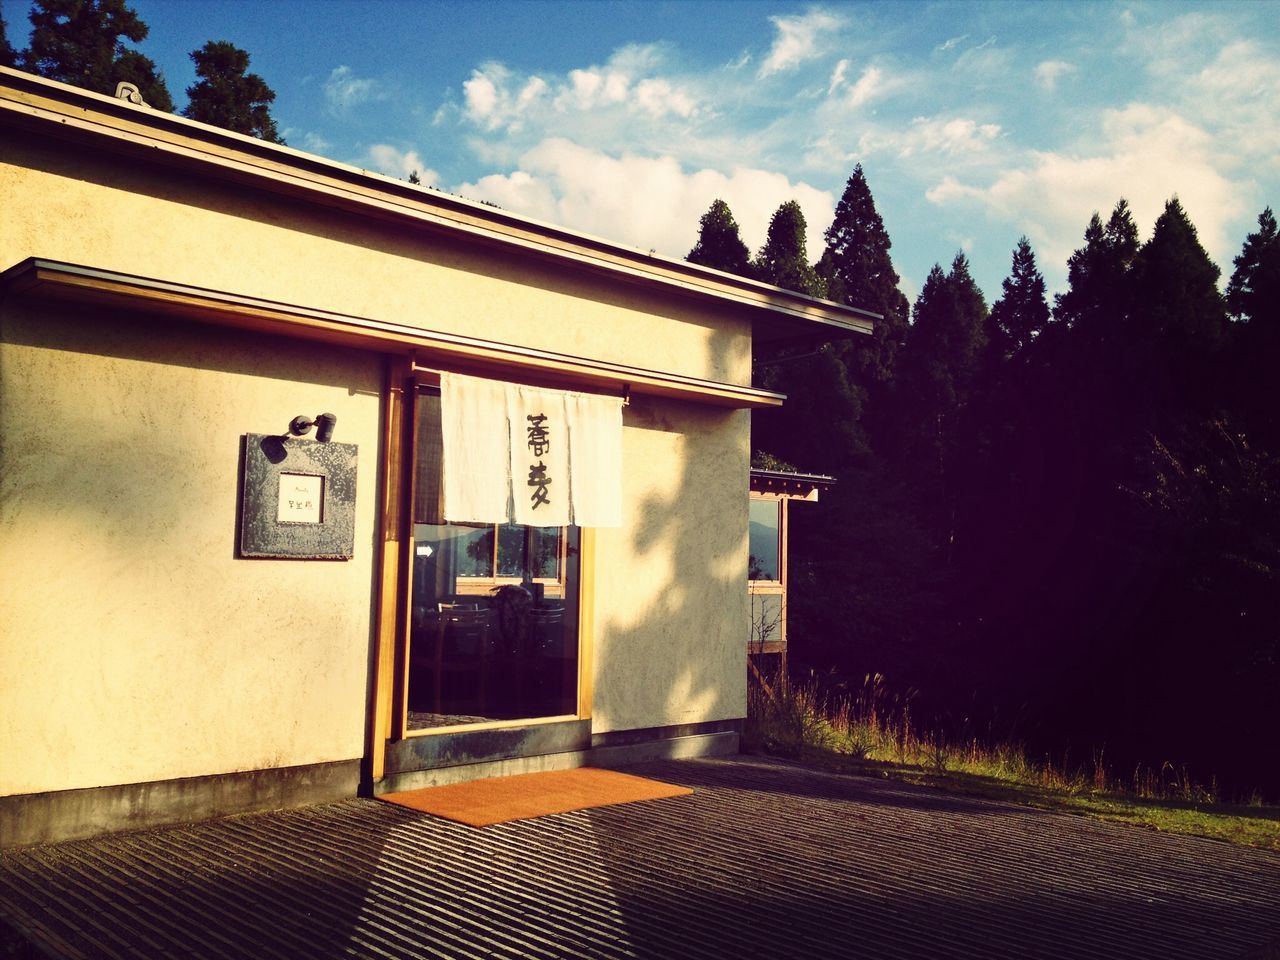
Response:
column 975, row 122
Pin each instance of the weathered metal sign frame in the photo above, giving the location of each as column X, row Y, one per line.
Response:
column 266, row 530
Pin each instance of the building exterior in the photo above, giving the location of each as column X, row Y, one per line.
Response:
column 768, row 535
column 203, row 611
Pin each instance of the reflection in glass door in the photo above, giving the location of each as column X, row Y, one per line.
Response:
column 494, row 609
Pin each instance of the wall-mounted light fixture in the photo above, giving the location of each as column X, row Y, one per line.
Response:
column 324, row 423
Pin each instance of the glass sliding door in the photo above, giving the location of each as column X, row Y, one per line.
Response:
column 493, row 608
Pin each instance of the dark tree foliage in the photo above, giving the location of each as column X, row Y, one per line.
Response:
column 227, row 96
column 1253, row 293
column 8, row 56
column 81, row 42
column 783, row 260
column 1066, row 534
column 938, row 381
column 858, row 271
column 1097, row 296
column 1176, row 287
column 1022, row 312
column 1253, row 298
column 820, row 426
column 719, row 244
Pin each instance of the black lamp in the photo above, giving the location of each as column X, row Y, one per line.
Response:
column 324, row 423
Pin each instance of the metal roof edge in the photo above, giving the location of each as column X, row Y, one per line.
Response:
column 818, row 478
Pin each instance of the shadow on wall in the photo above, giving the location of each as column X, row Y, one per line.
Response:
column 682, row 657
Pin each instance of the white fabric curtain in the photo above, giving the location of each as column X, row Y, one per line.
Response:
column 540, row 488
column 477, row 450
column 595, row 459
column 545, row 458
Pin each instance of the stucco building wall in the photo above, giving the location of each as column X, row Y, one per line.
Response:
column 136, row 646
column 154, row 221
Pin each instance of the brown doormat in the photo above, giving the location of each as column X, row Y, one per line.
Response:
column 481, row 803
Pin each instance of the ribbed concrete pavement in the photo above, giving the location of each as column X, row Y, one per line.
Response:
column 765, row 860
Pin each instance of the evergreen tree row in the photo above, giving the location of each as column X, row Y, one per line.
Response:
column 87, row 43
column 1059, row 521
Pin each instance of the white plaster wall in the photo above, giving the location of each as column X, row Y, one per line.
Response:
column 670, row 599
column 135, row 647
column 154, row 222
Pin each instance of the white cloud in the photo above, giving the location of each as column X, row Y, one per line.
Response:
column 986, row 63
column 952, row 43
column 956, row 137
column 496, row 98
column 871, row 84
column 344, row 91
column 659, row 98
column 868, row 86
column 387, row 159
column 1048, row 73
column 485, row 96
column 799, row 39
column 588, row 89
column 1146, row 155
column 1236, row 97
column 952, row 136
column 647, row 202
column 837, row 77
column 310, row 141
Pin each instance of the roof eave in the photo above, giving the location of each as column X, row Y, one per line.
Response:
column 58, row 109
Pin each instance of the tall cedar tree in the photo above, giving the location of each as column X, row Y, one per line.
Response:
column 941, row 366
column 81, row 42
column 719, row 244
column 8, row 56
column 229, row 97
column 818, row 428
column 1253, row 294
column 1097, row 276
column 1253, row 297
column 1178, row 319
column 858, row 271
column 1022, row 312
column 782, row 260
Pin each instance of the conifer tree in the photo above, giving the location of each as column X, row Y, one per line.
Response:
column 1253, row 293
column 783, row 260
column 1176, row 284
column 1097, row 275
column 1022, row 312
column 81, row 42
column 1253, row 297
column 1178, row 320
column 8, row 56
column 941, row 364
column 719, row 244
column 819, row 427
column 227, row 96
column 858, row 271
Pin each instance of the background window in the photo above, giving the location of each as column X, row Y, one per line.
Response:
column 763, row 539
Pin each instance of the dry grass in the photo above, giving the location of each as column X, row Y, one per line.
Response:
column 874, row 733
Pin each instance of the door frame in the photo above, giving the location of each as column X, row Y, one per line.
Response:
column 390, row 748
